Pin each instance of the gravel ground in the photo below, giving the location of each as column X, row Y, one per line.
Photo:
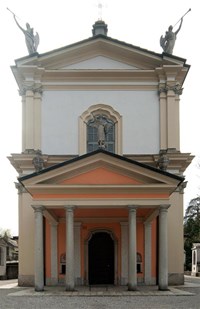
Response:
column 9, row 301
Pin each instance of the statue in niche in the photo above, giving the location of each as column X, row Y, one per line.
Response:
column 103, row 126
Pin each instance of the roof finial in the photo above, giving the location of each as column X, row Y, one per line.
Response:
column 100, row 26
column 100, row 10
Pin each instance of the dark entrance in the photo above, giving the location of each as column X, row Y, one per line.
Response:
column 101, row 259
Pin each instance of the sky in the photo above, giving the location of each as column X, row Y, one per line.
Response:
column 63, row 22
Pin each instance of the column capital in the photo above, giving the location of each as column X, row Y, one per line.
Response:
column 30, row 89
column 69, row 208
column 174, row 88
column 132, row 207
column 21, row 189
column 164, row 207
column 38, row 208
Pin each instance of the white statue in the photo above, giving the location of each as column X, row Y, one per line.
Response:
column 168, row 42
column 101, row 123
column 32, row 41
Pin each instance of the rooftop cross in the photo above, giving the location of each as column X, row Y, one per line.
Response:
column 100, row 7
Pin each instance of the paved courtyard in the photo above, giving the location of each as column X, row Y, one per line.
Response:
column 14, row 297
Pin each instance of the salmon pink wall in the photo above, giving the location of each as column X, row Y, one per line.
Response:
column 87, row 228
column 100, row 176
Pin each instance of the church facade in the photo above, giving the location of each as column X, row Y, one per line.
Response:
column 101, row 172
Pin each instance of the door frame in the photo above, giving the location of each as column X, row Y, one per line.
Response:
column 86, row 248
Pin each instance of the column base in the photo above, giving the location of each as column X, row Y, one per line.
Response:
column 69, row 288
column 38, row 289
column 163, row 288
column 132, row 287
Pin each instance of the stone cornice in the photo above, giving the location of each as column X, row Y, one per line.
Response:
column 23, row 162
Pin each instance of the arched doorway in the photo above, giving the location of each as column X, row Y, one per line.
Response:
column 101, row 258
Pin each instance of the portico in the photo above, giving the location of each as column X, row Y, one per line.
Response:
column 72, row 250
column 130, row 207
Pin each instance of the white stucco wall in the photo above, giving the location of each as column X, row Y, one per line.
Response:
column 61, row 111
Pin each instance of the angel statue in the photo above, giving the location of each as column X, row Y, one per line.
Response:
column 167, row 43
column 103, row 126
column 32, row 41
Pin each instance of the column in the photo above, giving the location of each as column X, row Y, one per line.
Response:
column 77, row 253
column 124, row 253
column 147, row 231
column 163, row 249
column 39, row 249
column 132, row 255
column 69, row 276
column 54, row 254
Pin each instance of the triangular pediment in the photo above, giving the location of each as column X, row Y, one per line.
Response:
column 100, row 171
column 101, row 176
column 112, row 53
column 99, row 63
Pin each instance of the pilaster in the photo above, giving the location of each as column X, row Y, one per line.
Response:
column 31, row 116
